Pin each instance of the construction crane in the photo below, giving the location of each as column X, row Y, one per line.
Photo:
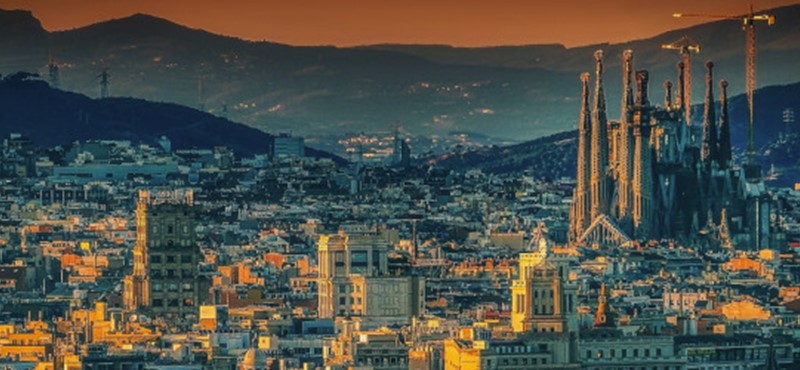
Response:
column 748, row 25
column 685, row 46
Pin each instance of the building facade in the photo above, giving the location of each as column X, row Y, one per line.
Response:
column 165, row 281
column 355, row 281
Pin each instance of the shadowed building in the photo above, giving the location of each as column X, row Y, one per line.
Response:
column 165, row 282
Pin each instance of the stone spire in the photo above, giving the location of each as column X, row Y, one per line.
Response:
column 667, row 94
column 724, row 155
column 599, row 145
column 580, row 204
column 642, row 178
column 709, row 149
column 680, row 96
column 625, row 144
column 642, row 79
column 627, row 81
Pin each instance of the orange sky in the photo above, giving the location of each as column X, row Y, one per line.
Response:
column 357, row 22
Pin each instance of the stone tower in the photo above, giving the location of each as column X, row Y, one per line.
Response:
column 642, row 184
column 599, row 145
column 709, row 149
column 580, row 202
column 624, row 156
column 724, row 155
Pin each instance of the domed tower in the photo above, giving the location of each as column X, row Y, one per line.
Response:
column 254, row 359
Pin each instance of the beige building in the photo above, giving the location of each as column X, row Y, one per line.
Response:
column 543, row 299
column 164, row 280
column 354, row 280
column 553, row 351
column 377, row 349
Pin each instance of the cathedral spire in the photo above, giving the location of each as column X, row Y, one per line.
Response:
column 642, row 79
column 625, row 139
column 667, row 94
column 709, row 150
column 680, row 97
column 580, row 203
column 627, row 82
column 599, row 147
column 724, row 128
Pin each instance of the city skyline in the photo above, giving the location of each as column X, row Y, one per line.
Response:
column 173, row 199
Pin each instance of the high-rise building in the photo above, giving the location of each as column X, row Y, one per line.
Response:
column 355, row 281
column 164, row 282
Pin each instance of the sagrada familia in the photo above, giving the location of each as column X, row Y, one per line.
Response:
column 652, row 175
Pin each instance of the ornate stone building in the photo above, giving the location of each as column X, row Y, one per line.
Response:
column 646, row 177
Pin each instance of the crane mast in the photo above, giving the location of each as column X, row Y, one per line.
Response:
column 748, row 25
column 685, row 46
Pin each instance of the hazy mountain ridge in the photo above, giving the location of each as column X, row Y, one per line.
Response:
column 53, row 117
column 522, row 91
column 554, row 156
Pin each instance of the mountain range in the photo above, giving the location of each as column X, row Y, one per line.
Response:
column 53, row 117
column 777, row 139
column 517, row 92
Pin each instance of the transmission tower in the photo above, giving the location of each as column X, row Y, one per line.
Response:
column 104, row 79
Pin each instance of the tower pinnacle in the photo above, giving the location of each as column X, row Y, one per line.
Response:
column 599, row 146
column 709, row 149
column 724, row 155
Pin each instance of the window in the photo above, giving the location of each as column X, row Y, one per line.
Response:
column 170, row 259
column 658, row 352
column 647, row 352
column 155, row 259
column 170, row 229
column 624, row 353
column 635, row 352
column 158, row 303
column 186, row 259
